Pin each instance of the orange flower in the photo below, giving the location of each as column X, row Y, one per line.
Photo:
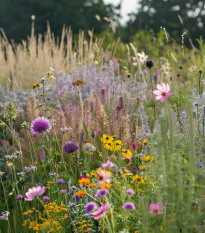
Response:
column 143, row 167
column 90, row 185
column 106, row 186
column 84, row 181
column 80, row 193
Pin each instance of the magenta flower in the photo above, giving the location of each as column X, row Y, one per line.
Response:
column 101, row 211
column 145, row 72
column 70, row 147
column 101, row 192
column 33, row 192
column 63, row 191
column 156, row 208
column 19, row 196
column 90, row 206
column 103, row 178
column 134, row 146
column 134, row 171
column 40, row 125
column 61, row 181
column 46, row 198
column 129, row 206
column 107, row 165
column 130, row 192
column 162, row 92
column 82, row 177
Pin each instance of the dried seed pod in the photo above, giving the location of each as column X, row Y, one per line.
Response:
column 121, row 102
column 82, row 137
column 118, row 112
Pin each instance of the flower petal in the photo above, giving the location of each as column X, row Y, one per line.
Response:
column 157, row 92
column 159, row 97
column 160, row 87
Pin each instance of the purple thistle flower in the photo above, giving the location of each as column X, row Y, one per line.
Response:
column 189, row 58
column 70, row 147
column 118, row 112
column 19, row 196
column 40, row 125
column 42, row 154
column 103, row 97
column 101, row 192
column 33, row 192
column 46, row 198
column 61, row 181
column 121, row 103
column 130, row 192
column 107, row 88
column 90, row 206
column 63, row 191
column 101, row 211
column 100, row 131
column 178, row 74
column 134, row 171
column 129, row 206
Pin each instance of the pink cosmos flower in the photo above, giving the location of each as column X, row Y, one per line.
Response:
column 107, row 165
column 101, row 211
column 103, row 177
column 156, row 208
column 162, row 92
column 33, row 192
column 142, row 58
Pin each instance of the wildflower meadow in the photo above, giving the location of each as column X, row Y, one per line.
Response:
column 112, row 143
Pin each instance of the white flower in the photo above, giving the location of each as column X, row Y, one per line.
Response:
column 1, row 173
column 142, row 58
column 89, row 148
column 5, row 215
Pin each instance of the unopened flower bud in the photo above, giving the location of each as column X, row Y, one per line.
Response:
column 121, row 102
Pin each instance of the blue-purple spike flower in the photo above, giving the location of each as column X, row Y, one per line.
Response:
column 61, row 181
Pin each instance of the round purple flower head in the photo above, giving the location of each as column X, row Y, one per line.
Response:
column 46, row 198
column 63, row 191
column 70, row 147
column 90, row 206
column 129, row 206
column 101, row 192
column 19, row 196
column 40, row 125
column 60, row 181
column 130, row 192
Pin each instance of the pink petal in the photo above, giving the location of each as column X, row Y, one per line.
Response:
column 159, row 97
column 160, row 87
column 157, row 92
column 168, row 88
column 164, row 87
column 163, row 99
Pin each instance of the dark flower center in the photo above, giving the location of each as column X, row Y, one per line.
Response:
column 155, row 210
column 100, row 177
column 163, row 93
column 107, row 138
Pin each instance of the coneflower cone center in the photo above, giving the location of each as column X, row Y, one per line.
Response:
column 155, row 210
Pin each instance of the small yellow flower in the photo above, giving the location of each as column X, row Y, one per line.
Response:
column 84, row 181
column 119, row 59
column 147, row 158
column 117, row 183
column 161, row 229
column 106, row 186
column 122, row 72
column 34, row 86
column 51, row 73
column 9, row 164
column 38, row 84
column 90, row 185
column 143, row 167
column 48, row 185
column 106, row 139
column 93, row 174
column 144, row 141
column 136, row 231
column 200, row 71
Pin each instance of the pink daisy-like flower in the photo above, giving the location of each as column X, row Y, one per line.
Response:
column 40, row 125
column 33, row 192
column 101, row 211
column 107, row 165
column 142, row 57
column 103, row 177
column 156, row 208
column 162, row 92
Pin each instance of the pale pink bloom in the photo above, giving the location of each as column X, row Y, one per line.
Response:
column 107, row 165
column 162, row 92
column 156, row 208
column 33, row 192
column 101, row 211
column 115, row 64
column 134, row 63
column 35, row 163
column 145, row 72
column 193, row 68
column 142, row 58
column 103, row 177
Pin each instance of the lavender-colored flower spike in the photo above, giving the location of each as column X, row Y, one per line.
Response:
column 42, row 154
column 103, row 97
column 118, row 112
column 129, row 206
column 82, row 137
column 70, row 147
column 155, row 78
column 90, row 206
column 88, row 119
column 108, row 91
column 121, row 102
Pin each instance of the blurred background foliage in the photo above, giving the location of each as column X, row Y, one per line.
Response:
column 15, row 18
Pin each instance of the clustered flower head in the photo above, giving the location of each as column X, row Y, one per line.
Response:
column 101, row 193
column 103, row 96
column 40, row 125
column 107, row 165
column 36, row 85
column 88, row 148
column 60, row 181
column 70, row 147
column 25, row 125
column 30, row 168
column 10, row 111
column 66, row 129
column 42, row 154
column 129, row 206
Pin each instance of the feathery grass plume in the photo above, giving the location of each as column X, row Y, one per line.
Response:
column 118, row 112
column 88, row 119
column 121, row 102
column 108, row 91
column 103, row 96
column 10, row 111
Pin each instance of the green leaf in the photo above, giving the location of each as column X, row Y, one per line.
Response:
column 43, row 95
column 38, row 148
column 53, row 105
column 49, row 90
column 39, row 106
column 48, row 110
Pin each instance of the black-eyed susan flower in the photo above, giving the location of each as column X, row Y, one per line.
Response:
column 34, row 86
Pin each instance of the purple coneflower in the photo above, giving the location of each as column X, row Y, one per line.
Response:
column 61, row 181
column 19, row 196
column 101, row 211
column 90, row 206
column 46, row 198
column 70, row 147
column 40, row 125
column 121, row 102
column 103, row 97
column 33, row 192
column 129, row 206
column 156, row 208
column 42, row 154
column 130, row 192
column 118, row 112
column 63, row 191
column 101, row 192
